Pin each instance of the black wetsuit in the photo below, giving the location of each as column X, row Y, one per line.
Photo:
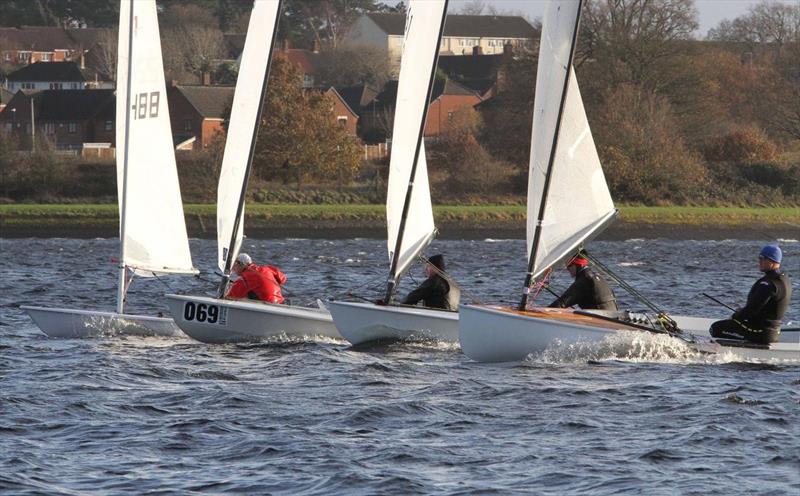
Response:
column 760, row 319
column 589, row 291
column 433, row 293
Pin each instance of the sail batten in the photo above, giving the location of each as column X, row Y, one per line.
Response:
column 248, row 98
column 424, row 23
column 152, row 226
column 577, row 203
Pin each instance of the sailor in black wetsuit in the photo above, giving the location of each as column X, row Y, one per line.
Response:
column 433, row 292
column 759, row 321
column 589, row 291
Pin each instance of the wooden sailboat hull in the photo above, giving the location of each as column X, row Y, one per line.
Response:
column 213, row 320
column 498, row 334
column 71, row 323
column 361, row 323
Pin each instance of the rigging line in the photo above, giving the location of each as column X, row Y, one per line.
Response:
column 624, row 285
column 163, row 282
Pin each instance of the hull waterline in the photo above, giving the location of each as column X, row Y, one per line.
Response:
column 72, row 323
column 361, row 323
column 213, row 320
column 496, row 334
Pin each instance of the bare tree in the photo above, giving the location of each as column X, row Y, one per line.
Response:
column 765, row 22
column 104, row 53
column 354, row 64
column 632, row 37
column 473, row 7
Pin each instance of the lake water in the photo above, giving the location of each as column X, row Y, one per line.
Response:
column 630, row 416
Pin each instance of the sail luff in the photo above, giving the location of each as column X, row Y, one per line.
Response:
column 243, row 131
column 121, row 283
column 418, row 48
column 551, row 159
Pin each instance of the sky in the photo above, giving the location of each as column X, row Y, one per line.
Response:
column 710, row 11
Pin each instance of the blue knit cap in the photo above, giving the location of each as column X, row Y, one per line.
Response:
column 771, row 252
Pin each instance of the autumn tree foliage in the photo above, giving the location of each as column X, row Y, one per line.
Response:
column 643, row 154
column 299, row 141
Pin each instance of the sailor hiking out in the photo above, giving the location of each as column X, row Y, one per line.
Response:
column 759, row 321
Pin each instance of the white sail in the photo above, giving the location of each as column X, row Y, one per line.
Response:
column 578, row 200
column 420, row 46
column 243, row 120
column 152, row 226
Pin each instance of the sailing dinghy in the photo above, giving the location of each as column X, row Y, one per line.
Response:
column 564, row 166
column 217, row 320
column 153, row 236
column 409, row 214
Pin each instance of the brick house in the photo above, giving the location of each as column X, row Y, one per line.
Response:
column 69, row 119
column 197, row 114
column 343, row 114
column 57, row 76
column 30, row 44
column 447, row 97
column 461, row 34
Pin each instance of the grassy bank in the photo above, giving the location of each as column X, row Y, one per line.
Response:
column 92, row 215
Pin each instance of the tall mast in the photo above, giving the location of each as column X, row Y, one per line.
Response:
column 392, row 280
column 240, row 207
column 122, row 284
column 538, row 232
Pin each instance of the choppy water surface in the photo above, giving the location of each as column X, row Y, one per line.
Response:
column 122, row 415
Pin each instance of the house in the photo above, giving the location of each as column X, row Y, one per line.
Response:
column 344, row 115
column 57, row 76
column 461, row 34
column 5, row 97
column 197, row 114
column 31, row 44
column 69, row 119
column 355, row 98
column 479, row 72
column 447, row 97
column 308, row 61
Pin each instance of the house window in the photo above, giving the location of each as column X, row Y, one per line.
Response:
column 8, row 56
column 187, row 125
column 109, row 125
column 45, row 57
column 9, row 127
column 74, row 86
column 49, row 128
column 23, row 56
column 56, row 86
column 72, row 127
column 342, row 120
column 308, row 80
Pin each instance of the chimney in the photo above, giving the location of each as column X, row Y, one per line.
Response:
column 83, row 60
column 315, row 48
column 285, row 45
column 477, row 50
column 206, row 78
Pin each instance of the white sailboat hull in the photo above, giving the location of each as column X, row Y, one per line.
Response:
column 364, row 322
column 213, row 320
column 71, row 323
column 494, row 334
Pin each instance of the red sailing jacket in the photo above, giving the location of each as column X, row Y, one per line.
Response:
column 259, row 282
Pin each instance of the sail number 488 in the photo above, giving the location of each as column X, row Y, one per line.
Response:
column 146, row 104
column 202, row 312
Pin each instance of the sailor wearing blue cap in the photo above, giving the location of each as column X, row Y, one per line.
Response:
column 759, row 321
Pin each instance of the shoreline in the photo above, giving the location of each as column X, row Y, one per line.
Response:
column 312, row 229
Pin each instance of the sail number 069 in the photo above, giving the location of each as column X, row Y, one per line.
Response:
column 201, row 312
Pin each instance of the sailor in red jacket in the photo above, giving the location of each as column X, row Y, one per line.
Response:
column 256, row 282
